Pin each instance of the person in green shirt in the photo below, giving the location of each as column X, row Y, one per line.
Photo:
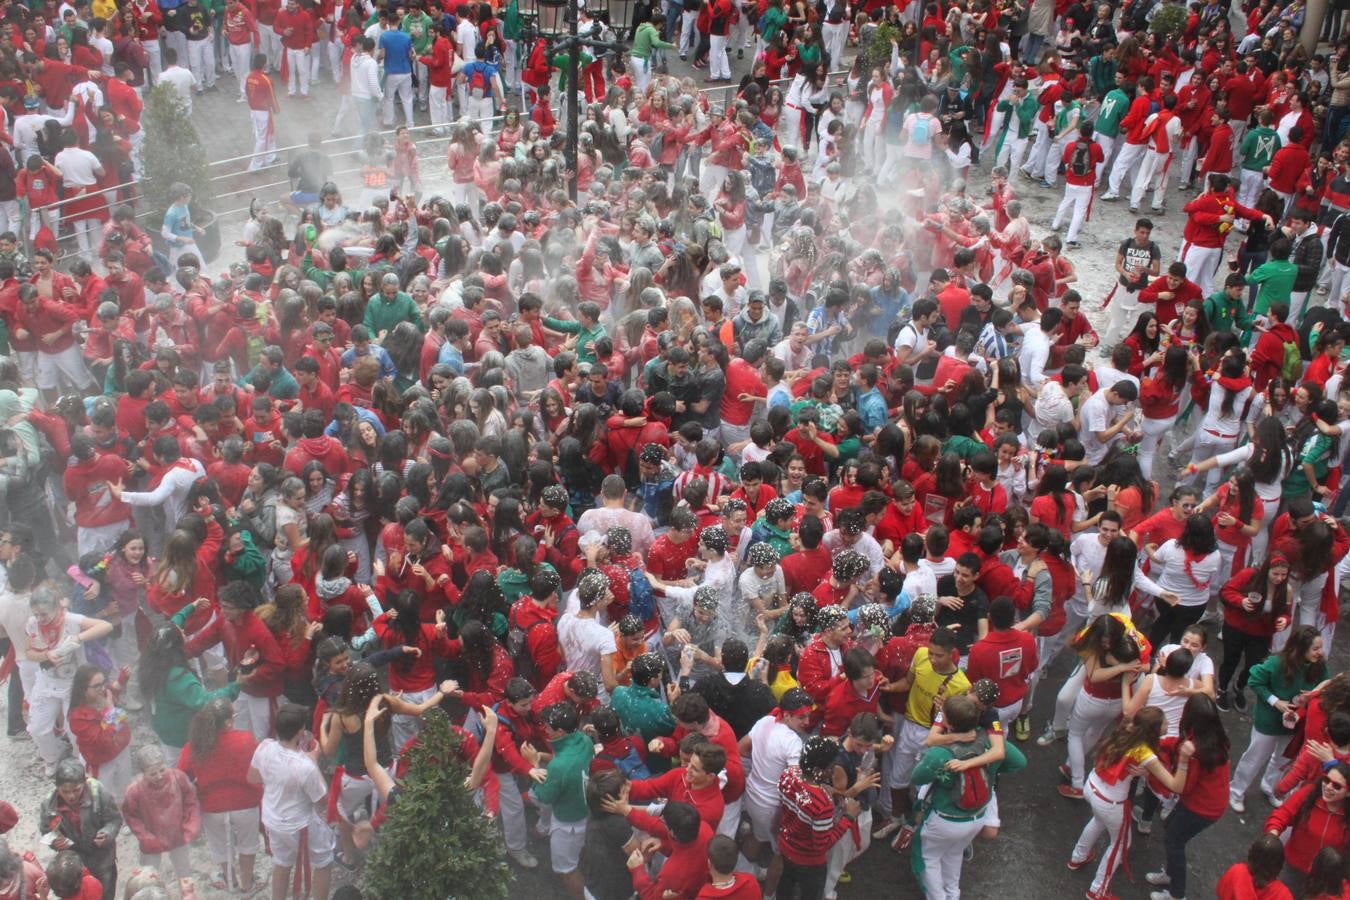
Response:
column 1275, row 276
column 1227, row 309
column 1315, row 456
column 1106, row 127
column 645, row 40
column 1257, row 150
column 391, row 306
column 1276, row 682
column 641, row 706
column 948, row 825
column 1019, row 117
column 174, row 692
column 1102, row 74
column 587, row 329
column 561, row 786
column 337, row 262
column 771, row 23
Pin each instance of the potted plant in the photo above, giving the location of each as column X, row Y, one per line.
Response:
column 1169, row 21
column 467, row 857
column 173, row 153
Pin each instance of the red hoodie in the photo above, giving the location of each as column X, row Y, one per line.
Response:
column 237, row 638
column 86, row 483
column 327, row 450
column 743, row 887
column 1268, row 354
column 1006, row 657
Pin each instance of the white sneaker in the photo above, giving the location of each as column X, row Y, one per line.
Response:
column 1049, row 736
column 1163, row 895
column 1236, row 804
column 1158, row 879
column 524, row 858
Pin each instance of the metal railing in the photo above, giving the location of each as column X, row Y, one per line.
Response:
column 425, row 138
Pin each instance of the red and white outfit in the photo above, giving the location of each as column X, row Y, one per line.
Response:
column 1078, row 188
column 262, row 106
column 241, row 34
column 1204, row 235
column 84, row 211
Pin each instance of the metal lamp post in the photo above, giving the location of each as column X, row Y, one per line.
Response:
column 558, row 21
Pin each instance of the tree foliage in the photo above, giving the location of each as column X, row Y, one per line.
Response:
column 436, row 842
column 1169, row 20
column 173, row 150
column 877, row 52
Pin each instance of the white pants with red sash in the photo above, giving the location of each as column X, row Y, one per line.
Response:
column 1201, row 264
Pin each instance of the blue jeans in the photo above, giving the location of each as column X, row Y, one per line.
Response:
column 1034, row 44
column 1335, row 124
column 1182, row 826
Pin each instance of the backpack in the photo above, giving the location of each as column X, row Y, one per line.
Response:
column 518, row 645
column 918, row 131
column 1080, row 164
column 630, row 764
column 1135, row 17
column 641, row 599
column 1291, row 369
column 971, row 789
column 254, row 344
column 478, row 83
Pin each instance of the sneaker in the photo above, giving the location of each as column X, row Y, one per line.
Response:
column 1075, row 866
column 1022, row 728
column 1158, row 879
column 1163, row 895
column 1237, row 804
column 1240, row 700
column 1101, row 895
column 1065, row 772
column 1049, row 736
column 1046, row 184
column 1271, row 798
column 1158, row 210
column 1107, row 198
column 1074, row 245
column 969, row 853
column 845, row 877
column 1224, row 701
column 885, row 828
column 1069, row 792
column 524, row 858
column 1141, row 825
column 1134, row 209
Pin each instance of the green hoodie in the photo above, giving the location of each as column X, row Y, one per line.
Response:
column 516, row 584
column 1267, row 681
column 565, row 788
column 382, row 315
column 249, row 565
column 178, row 701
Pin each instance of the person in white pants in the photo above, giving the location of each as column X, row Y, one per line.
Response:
column 1129, row 157
column 719, row 67
column 270, row 44
column 1275, row 693
column 1152, row 172
column 688, row 31
column 153, row 788
column 151, row 49
column 55, row 637
column 1077, row 187
column 1130, row 751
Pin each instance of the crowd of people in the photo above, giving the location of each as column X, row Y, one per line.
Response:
column 733, row 512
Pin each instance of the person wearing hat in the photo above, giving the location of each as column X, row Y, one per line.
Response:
column 557, row 535
column 773, row 744
column 810, row 824
column 822, row 658
column 562, row 789
column 717, row 570
column 586, row 644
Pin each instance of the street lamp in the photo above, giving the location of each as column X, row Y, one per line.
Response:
column 557, row 20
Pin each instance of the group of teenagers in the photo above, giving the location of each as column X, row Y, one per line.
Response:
column 734, row 512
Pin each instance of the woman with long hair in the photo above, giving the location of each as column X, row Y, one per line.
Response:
column 412, row 678
column 130, row 569
column 1112, row 654
column 292, row 524
column 1145, row 345
column 1190, row 571
column 173, row 690
column 1256, row 607
column 1268, row 458
column 1129, row 751
column 1225, row 415
column 184, row 574
column 485, row 665
column 341, row 735
column 1054, row 505
column 1203, row 794
column 1313, row 549
column 320, row 487
column 1316, row 817
column 1160, row 395
column 352, row 510
column 1283, row 681
column 1237, row 517
column 258, row 506
column 1134, row 496
column 286, row 618
column 217, row 757
column 101, row 728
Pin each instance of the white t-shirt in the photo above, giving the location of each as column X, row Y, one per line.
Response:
column 292, row 784
column 78, row 167
column 58, row 677
column 773, row 747
column 1193, row 588
column 583, row 643
column 920, row 581
column 944, row 566
column 183, row 82
column 1096, row 415
column 1087, row 554
column 1201, row 664
column 792, row 361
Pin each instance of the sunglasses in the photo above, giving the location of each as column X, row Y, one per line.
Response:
column 1329, row 781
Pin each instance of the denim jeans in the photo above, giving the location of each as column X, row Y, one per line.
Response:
column 1182, row 825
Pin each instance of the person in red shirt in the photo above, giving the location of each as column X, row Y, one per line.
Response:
column 1006, row 656
column 744, row 385
column 1136, row 142
column 298, row 34
column 315, row 445
column 809, row 566
column 1209, row 219
column 725, row 882
column 314, row 394
column 58, row 356
column 257, row 90
column 684, row 842
column 1081, row 158
column 810, row 825
column 856, row 690
column 1258, row 878
column 241, row 35
column 1242, row 94
column 1171, row 292
column 1166, row 524
column 695, row 783
column 100, row 516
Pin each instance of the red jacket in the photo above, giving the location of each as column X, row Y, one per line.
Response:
column 541, row 637
column 1268, row 354
column 163, row 818
column 674, row 786
column 1007, row 658
column 300, row 24
column 744, row 887
column 1184, row 293
column 815, row 670
column 1203, row 214
column 1290, row 163
column 685, row 871
column 842, row 703
column 239, row 637
column 809, row 827
column 99, row 740
column 325, row 449
column 87, row 482
column 1320, row 828
column 1237, row 884
column 439, row 62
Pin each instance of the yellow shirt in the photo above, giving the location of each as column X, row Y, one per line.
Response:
column 781, row 682
column 928, row 688
column 105, row 9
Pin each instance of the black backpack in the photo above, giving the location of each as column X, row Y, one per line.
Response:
column 1080, row 163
